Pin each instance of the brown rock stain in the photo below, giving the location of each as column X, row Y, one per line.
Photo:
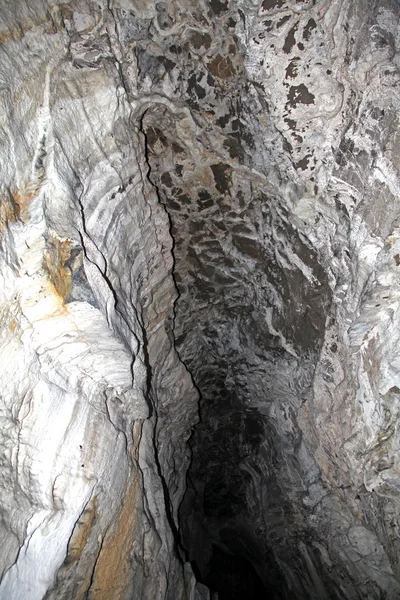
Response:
column 55, row 261
column 113, row 566
column 270, row 4
column 52, row 25
column 203, row 177
column 290, row 40
column 9, row 212
column 17, row 33
column 23, row 199
column 15, row 206
column 247, row 246
column 299, row 94
column 292, row 68
column 81, row 532
column 222, row 67
column 200, row 40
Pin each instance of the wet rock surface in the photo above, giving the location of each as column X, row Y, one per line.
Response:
column 199, row 233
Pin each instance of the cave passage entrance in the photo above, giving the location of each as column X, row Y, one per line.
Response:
column 248, row 328
column 233, row 577
column 222, row 508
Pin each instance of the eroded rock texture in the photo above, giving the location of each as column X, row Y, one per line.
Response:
column 203, row 190
column 95, row 403
column 280, row 178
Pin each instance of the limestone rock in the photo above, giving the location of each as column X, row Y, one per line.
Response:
column 199, row 221
column 86, row 287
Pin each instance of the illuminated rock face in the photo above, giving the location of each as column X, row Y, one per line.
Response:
column 199, row 221
column 94, row 398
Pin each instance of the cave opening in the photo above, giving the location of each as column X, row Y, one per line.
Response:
column 233, row 577
column 220, row 506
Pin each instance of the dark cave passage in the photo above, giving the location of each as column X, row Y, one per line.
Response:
column 249, row 329
column 220, row 515
column 234, row 577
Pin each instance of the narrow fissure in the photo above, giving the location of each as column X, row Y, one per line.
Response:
column 216, row 528
column 238, row 521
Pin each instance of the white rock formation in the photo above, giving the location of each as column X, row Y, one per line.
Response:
column 88, row 495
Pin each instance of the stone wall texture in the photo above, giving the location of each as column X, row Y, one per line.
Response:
column 199, row 298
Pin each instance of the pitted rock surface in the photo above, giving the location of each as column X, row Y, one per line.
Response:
column 281, row 218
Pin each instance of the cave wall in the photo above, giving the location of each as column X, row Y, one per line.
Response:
column 280, row 176
column 205, row 190
column 89, row 495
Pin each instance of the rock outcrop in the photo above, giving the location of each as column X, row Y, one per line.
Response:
column 200, row 244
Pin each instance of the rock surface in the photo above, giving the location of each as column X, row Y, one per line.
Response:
column 89, row 496
column 203, row 190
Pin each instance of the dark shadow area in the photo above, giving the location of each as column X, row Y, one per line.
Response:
column 234, row 578
column 216, row 523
